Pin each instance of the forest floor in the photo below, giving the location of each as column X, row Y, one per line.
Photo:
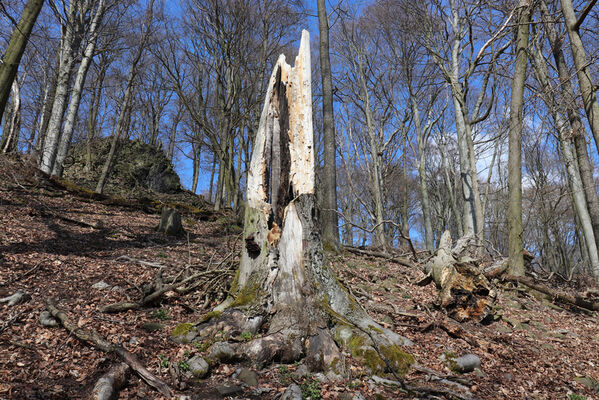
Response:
column 57, row 245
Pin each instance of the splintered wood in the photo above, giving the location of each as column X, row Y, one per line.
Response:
column 463, row 290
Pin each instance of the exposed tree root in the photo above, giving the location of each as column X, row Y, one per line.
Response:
column 91, row 337
column 109, row 384
column 557, row 295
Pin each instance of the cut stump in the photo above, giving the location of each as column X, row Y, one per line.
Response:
column 285, row 292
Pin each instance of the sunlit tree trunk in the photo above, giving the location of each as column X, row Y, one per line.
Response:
column 69, row 125
column 585, row 83
column 16, row 47
column 10, row 136
column 514, row 210
column 330, row 231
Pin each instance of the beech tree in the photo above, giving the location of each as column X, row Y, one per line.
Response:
column 12, row 55
column 330, row 220
column 514, row 211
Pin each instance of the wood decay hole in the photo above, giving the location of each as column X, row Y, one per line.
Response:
column 279, row 190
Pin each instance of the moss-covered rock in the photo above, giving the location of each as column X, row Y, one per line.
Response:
column 184, row 333
column 137, row 166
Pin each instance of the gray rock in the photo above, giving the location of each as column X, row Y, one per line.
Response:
column 320, row 377
column 221, row 351
column 100, row 285
column 198, row 366
column 358, row 396
column 333, row 377
column 46, row 319
column 468, row 363
column 248, row 377
column 185, row 333
column 302, row 371
column 229, row 390
column 293, row 392
column 464, row 364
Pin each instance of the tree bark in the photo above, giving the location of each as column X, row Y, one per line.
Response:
column 69, row 44
column 16, row 47
column 10, row 136
column 577, row 134
column 514, row 210
column 69, row 125
column 566, row 142
column 585, row 83
column 284, row 285
column 330, row 220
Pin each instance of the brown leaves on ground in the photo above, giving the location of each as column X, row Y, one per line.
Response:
column 538, row 350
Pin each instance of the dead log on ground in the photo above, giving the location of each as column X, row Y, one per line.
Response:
column 109, row 384
column 93, row 338
column 463, row 290
column 557, row 295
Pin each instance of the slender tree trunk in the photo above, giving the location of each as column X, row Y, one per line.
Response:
column 196, row 172
column 514, row 211
column 69, row 44
column 16, row 47
column 10, row 136
column 585, row 83
column 330, row 221
column 405, row 226
column 92, row 120
column 69, row 125
column 212, row 172
column 578, row 191
column 47, row 110
column 422, row 178
column 577, row 133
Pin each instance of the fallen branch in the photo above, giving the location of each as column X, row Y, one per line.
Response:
column 110, row 383
column 394, row 259
column 152, row 297
column 93, row 338
column 142, row 262
column 557, row 295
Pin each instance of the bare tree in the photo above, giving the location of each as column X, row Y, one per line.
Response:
column 13, row 54
column 514, row 211
column 330, row 230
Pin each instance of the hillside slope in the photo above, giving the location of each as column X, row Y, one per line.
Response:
column 85, row 254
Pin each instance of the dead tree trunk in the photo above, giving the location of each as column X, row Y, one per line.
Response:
column 284, row 289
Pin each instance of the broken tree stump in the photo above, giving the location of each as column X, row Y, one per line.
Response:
column 285, row 292
column 463, row 290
